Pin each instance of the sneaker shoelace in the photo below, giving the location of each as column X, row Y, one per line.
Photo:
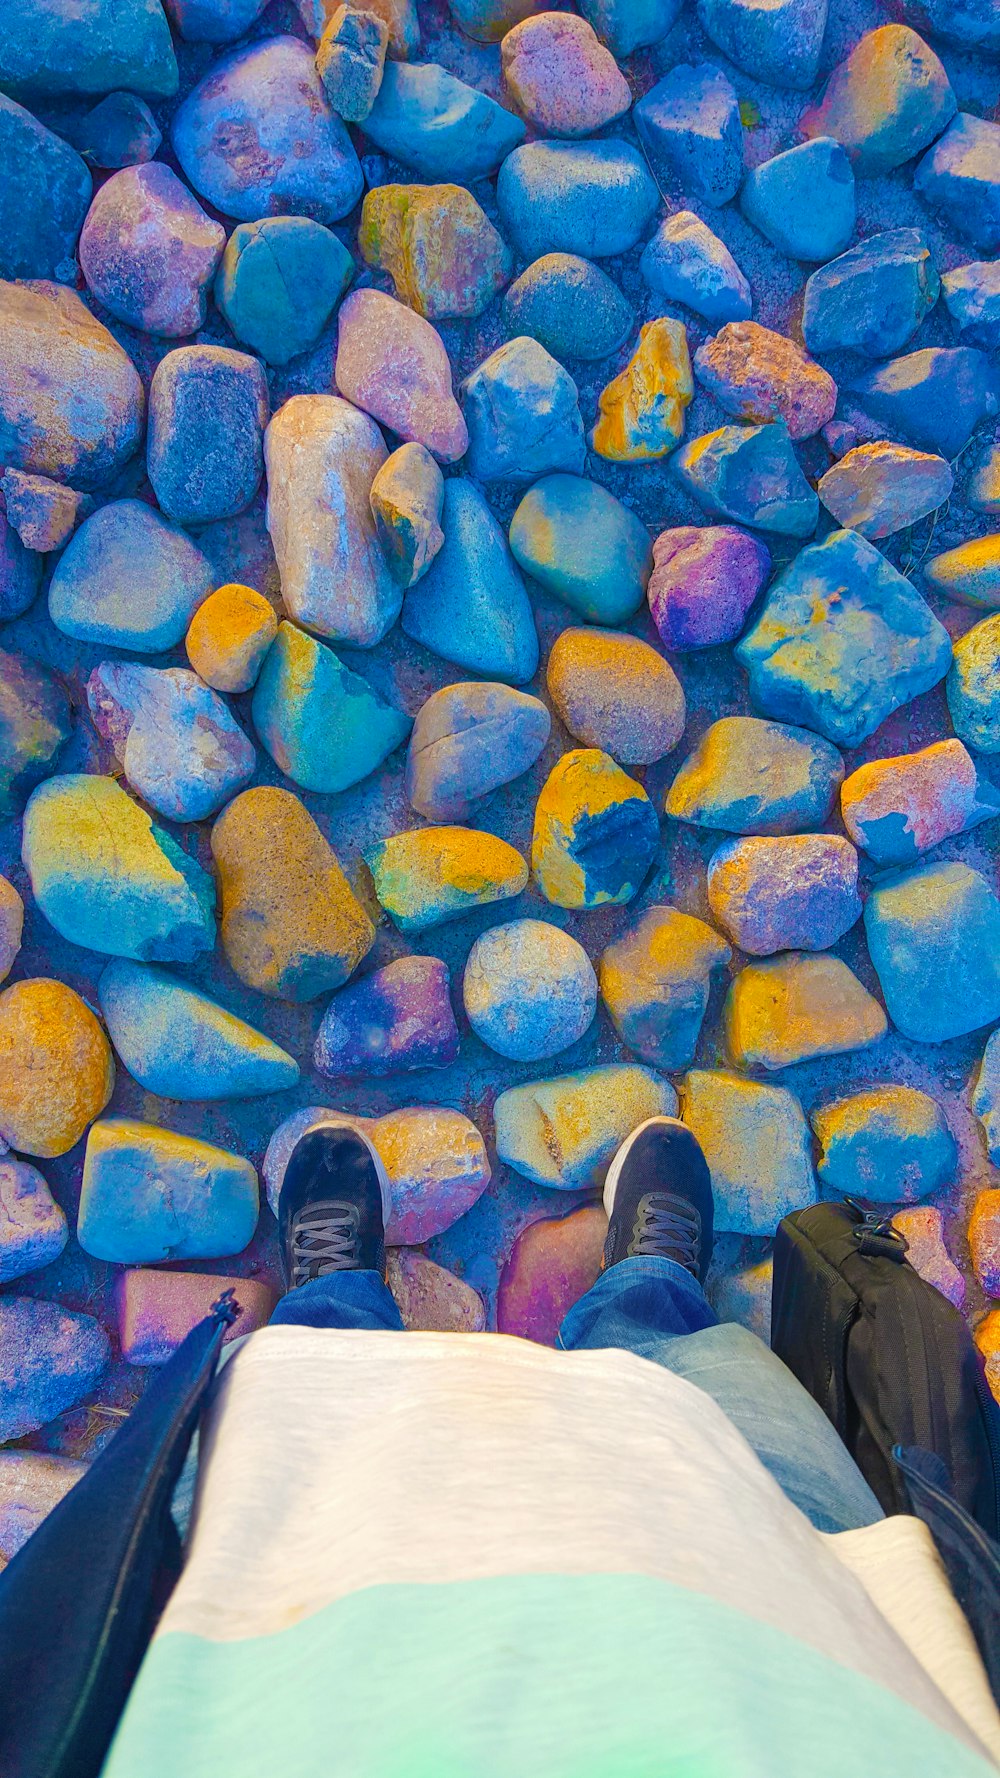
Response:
column 663, row 1221
column 324, row 1239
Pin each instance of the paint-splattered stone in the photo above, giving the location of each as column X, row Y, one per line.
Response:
column 578, row 541
column 121, row 131
column 393, row 365
column 748, row 776
column 973, row 686
column 229, row 636
column 972, row 298
column 934, row 938
column 923, row 1230
column 471, row 606
column 552, row 1264
column 982, row 491
column 322, row 457
column 279, row 281
column 796, row 893
column 759, row 375
column 49, row 1360
column 986, row 1097
column 885, row 102
column 291, row 925
column 615, row 692
column 46, row 190
column 56, row 1068
column 686, row 263
column 390, row 1022
column 560, row 78
column 129, row 579
column 796, row 1007
column 108, row 879
column 894, row 809
column 802, row 201
column 891, row 1144
column 150, row 1194
column 178, row 1043
column 439, row 247
column 705, row 579
column 756, row 1141
column 406, row 499
column 350, row 60
column 873, row 298
column 432, row 874
column 970, row 573
column 881, row 488
column 984, row 1241
column 43, row 515
column 31, row 1484
column 655, row 982
column 400, row 16
column 779, row 43
column 642, row 409
column 149, row 252
column 744, row 1296
column 431, row 1299
column 437, row 1166
column 208, row 408
column 592, row 198
column 489, row 20
column 843, row 640
column 156, row 1310
column 438, row 126
column 35, row 724
column 522, row 410
column 596, row 832
column 563, row 1133
column 934, row 398
column 529, row 990
column 174, row 738
column 749, row 474
column 11, row 926
column 467, row 740
column 960, row 176
column 33, row 1229
column 625, row 25
column 988, row 1342
column 257, row 137
column 323, row 725
column 689, row 126
column 570, row 306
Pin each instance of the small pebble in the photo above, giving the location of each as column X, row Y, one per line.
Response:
column 642, row 409
column 529, row 990
column 756, row 1141
column 179, row 1044
column 595, row 835
column 560, row 78
column 797, row 1007
column 279, row 282
column 57, row 1072
column 440, row 249
column 579, row 542
column 595, row 198
column 44, row 515
column 960, row 177
column 522, row 410
column 390, row 1022
column 49, row 1360
column 229, row 636
column 406, row 499
column 431, row 1299
column 392, row 364
column 33, row 1229
column 471, row 606
column 156, row 1310
column 970, row 573
column 438, row 126
column 796, row 893
column 885, row 102
column 655, row 982
column 690, row 129
column 208, row 408
column 467, row 741
column 923, row 1230
column 431, row 874
column 149, row 1195
column 895, row 809
column 324, row 726
column 562, row 1133
column 350, row 59
column 878, row 489
column 615, row 692
column 552, row 1264
column 873, row 298
column 178, row 746
column 934, row 938
column 749, row 776
column 569, row 306
column 749, row 474
column 35, row 724
column 973, row 686
column 149, row 252
column 802, row 201
column 705, row 579
column 685, row 263
column 891, row 1144
column 128, row 579
column 758, row 375
column 11, row 927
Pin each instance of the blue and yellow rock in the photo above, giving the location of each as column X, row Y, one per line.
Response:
column 562, row 1133
column 934, row 938
column 756, row 1141
column 642, row 409
column 615, row 692
column 529, row 989
column 229, row 636
column 579, row 542
column 891, row 1144
column 749, row 776
column 35, row 723
column 180, row 1044
column 150, row 1194
column 970, row 573
column 655, row 982
column 323, row 725
column 897, row 808
column 973, row 686
column 57, row 1072
column 432, row 874
column 750, row 474
column 596, row 832
column 796, row 1007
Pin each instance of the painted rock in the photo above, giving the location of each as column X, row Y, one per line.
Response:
column 744, row 1296
column 431, row 1299
column 229, row 636
column 625, row 25
column 686, row 263
column 560, row 78
column 972, row 23
column 873, row 298
column 208, row 408
column 121, row 131
column 471, row 606
column 323, row 725
column 40, row 57
column 758, row 375
column 798, row 893
column 748, row 776
column 56, row 1067
column 756, row 1141
column 522, row 410
column 179, row 1044
column 529, row 990
column 291, row 925
column 779, row 44
column 580, row 543
column 987, row 1336
column 439, row 247
column 390, row 1022
column 970, row 573
column 749, row 474
column 35, row 724
column 399, row 15
column 350, row 61
column 213, row 21
column 973, row 686
column 596, row 832
column 31, row 1484
column 934, row 938
column 257, row 137
column 108, row 879
column 279, row 282
column 802, row 201
column 972, row 298
column 468, row 740
column 393, row 365
column 49, row 1360
column 642, row 409
column 895, row 809
column 406, row 500
column 149, row 252
column 592, row 198
column 489, row 20
column 690, row 129
column 33, row 1229
column 705, row 579
column 842, row 641
column 322, row 457
column 552, row 1264
column 432, row 874
column 563, row 1133
column 796, row 1007
column 570, row 306
column 960, row 176
column 885, row 102
column 614, row 692
column 43, row 515
column 982, row 491
column 934, row 398
column 923, row 1230
column 11, row 926
column 655, row 982
column 46, row 191
column 175, row 740
column 881, row 488
column 438, row 126
column 149, row 1194
column 20, row 568
column 128, row 579
column 984, row 1241
column 891, row 1144
column 156, row 1310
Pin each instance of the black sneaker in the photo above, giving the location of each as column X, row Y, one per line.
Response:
column 658, row 1196
column 333, row 1206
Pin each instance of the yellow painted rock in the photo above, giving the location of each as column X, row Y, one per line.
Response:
column 564, row 1132
column 431, row 874
column 229, row 635
column 795, row 1007
column 596, row 832
column 642, row 410
column 756, row 1141
column 438, row 246
column 970, row 573
column 56, row 1068
column 655, row 982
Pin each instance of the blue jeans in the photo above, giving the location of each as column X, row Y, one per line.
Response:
column 653, row 1307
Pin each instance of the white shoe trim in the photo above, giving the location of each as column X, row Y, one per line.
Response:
column 614, row 1172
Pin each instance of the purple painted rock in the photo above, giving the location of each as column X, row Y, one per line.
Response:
column 923, row 1230
column 35, row 723
column 49, row 1360
column 881, row 488
column 208, row 407
column 157, row 1310
column 431, row 1299
column 896, row 809
column 390, row 1022
column 561, row 78
column 392, row 364
column 20, row 568
column 149, row 252
column 31, row 1484
column 705, row 579
column 467, row 741
column 176, row 742
column 615, row 692
column 758, row 375
column 43, row 514
column 11, row 926
column 552, row 1264
column 32, row 1227
column 793, row 893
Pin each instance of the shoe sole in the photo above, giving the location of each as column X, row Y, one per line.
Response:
column 614, row 1172
column 342, row 1123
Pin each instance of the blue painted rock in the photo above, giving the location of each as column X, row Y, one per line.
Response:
column 44, row 55
column 208, row 408
column 842, row 641
column 748, row 776
column 350, row 60
column 705, row 579
column 279, row 282
column 689, row 126
column 390, row 1022
column 150, row 1194
column 180, row 1044
column 49, row 1360
column 175, row 740
column 149, row 252
column 626, row 25
column 972, row 298
column 756, row 1141
column 895, row 809
column 960, row 176
column 257, row 137
column 972, row 23
column 323, row 725
column 322, row 457
column 213, row 21
column 873, row 298
column 756, row 374
column 57, row 1072
column 429, row 1297
column 973, row 686
column 11, row 926
column 596, row 832
column 579, row 542
column 885, row 102
column 591, row 198
column 934, row 399
column 891, row 1144
column 986, row 1097
column 522, row 410
column 433, row 874
column 435, row 124
column 471, row 606
column 51, row 347
column 798, row 893
column 796, row 1008
column 779, row 44
column 33, row 1229
column 392, row 364
column 468, row 740
column 803, row 200
column 686, row 263
column 438, row 246
column 43, row 514
column 560, row 78
column 614, row 692
column 129, row 579
column 35, row 724
column 406, row 499
column 881, row 488
column 44, row 198
column 571, row 307
column 655, row 982
column 563, row 1133
column 120, row 132
column 749, row 474
column 107, row 878
column 229, row 636
column 20, row 568
column 529, row 990
column 922, row 926
column 969, row 574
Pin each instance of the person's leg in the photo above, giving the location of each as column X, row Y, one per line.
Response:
column 341, row 1299
column 332, row 1211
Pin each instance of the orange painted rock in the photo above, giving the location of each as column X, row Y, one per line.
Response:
column 642, row 409
column 552, row 1264
column 11, row 926
column 988, row 1341
column 984, row 1241
column 795, row 1007
column 229, row 635
column 431, row 874
column 615, row 692
column 758, row 375
column 56, row 1068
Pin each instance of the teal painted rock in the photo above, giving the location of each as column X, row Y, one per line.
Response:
column 563, row 1133
column 934, row 938
column 176, row 742
column 432, row 874
column 895, row 809
column 323, row 725
column 591, row 198
column 797, row 1007
column 522, row 410
column 46, row 52
column 878, row 489
column 596, row 832
column 279, row 282
column 842, row 641
column 108, row 879
column 802, row 201
column 655, row 982
column 579, row 542
column 973, row 686
column 471, row 606
column 435, row 124
column 178, row 1043
column 749, row 474
column 150, row 1195
column 49, row 1360
column 467, row 741
column 529, row 990
column 756, row 1141
column 891, row 1144
column 35, row 724
column 749, row 776
column 129, row 580
column 794, row 892
column 885, row 102
column 570, row 306
column 406, row 498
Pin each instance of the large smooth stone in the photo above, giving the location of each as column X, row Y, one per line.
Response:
column 595, row 199
column 756, row 1141
column 798, row 893
column 934, row 938
column 178, row 1043
column 973, row 686
column 891, row 1144
column 35, row 723
column 686, row 263
column 523, row 415
column 529, row 990
column 934, row 398
column 471, row 606
column 56, row 1068
column 579, row 542
column 43, row 199
column 802, row 201
column 49, row 1360
column 31, row 1484
column 149, row 1194
column 877, row 489
column 435, row 124
column 615, row 692
column 432, row 874
column 748, row 776
column 552, row 1264
column 100, row 47
column 655, row 982
column 885, row 102
column 157, row 1310
column 128, row 579
column 873, row 298
column 705, row 579
column 438, row 245
column 970, row 573
column 691, row 133
column 895, row 809
column 323, row 725
column 229, row 636
column 563, row 1133
column 749, row 474
column 595, row 835
column 279, row 282
column 431, row 1299
column 149, row 252
column 468, row 740
column 570, row 306
column 779, row 42
column 208, row 408
column 390, row 1022
column 406, row 499
column 393, row 364
column 759, row 375
column 561, row 79
column 960, row 176
column 797, row 1007
column 176, row 742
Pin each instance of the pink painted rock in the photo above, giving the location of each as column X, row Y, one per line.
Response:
column 758, row 375
column 552, row 1264
column 431, row 1299
column 705, row 579
column 393, row 364
column 157, row 1310
column 32, row 1227
column 31, row 1484
column 11, row 926
column 988, row 1341
column 984, row 1241
column 561, row 78
column 148, row 250
column 896, row 809
column 928, row 1255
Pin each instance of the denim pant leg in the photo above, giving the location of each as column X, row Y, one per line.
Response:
column 341, row 1299
column 654, row 1308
